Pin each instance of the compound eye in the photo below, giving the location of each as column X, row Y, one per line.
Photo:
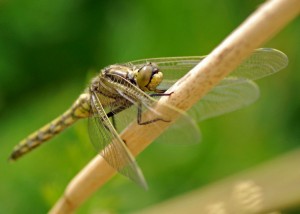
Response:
column 144, row 75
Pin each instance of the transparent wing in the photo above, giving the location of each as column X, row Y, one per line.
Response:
column 261, row 63
column 233, row 92
column 224, row 99
column 111, row 147
column 230, row 95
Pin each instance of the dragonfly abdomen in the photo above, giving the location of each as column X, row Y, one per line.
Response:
column 80, row 109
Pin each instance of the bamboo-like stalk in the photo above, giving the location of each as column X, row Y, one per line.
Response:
column 257, row 29
column 266, row 188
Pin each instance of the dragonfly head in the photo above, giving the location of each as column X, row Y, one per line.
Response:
column 149, row 77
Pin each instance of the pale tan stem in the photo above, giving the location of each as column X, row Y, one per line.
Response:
column 257, row 29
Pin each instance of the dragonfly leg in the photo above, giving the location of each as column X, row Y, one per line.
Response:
column 113, row 121
column 114, row 112
column 161, row 94
column 139, row 118
column 117, row 110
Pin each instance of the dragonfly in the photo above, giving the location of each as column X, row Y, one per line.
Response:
column 122, row 93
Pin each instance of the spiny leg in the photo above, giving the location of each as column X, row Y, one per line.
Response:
column 139, row 118
column 116, row 111
column 112, row 115
column 113, row 121
column 161, row 94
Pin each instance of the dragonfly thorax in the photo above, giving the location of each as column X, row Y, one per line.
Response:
column 147, row 77
column 113, row 73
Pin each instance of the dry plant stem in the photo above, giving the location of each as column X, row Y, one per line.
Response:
column 257, row 29
column 264, row 189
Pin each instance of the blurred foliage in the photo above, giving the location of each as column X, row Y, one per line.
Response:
column 47, row 49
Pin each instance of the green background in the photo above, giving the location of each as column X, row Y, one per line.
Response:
column 50, row 49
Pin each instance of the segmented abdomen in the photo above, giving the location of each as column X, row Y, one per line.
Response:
column 80, row 109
